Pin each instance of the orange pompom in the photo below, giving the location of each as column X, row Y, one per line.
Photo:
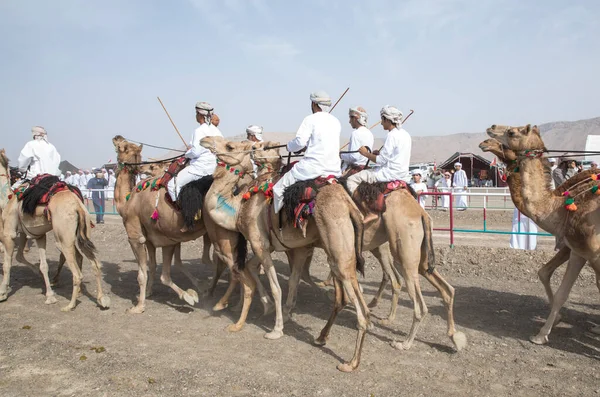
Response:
column 247, row 196
column 594, row 177
column 571, row 207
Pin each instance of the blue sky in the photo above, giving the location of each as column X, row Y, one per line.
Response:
column 88, row 70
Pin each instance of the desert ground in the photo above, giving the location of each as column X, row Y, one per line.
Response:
column 177, row 350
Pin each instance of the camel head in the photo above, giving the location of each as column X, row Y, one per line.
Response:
column 269, row 158
column 3, row 159
column 154, row 170
column 517, row 139
column 494, row 146
column 127, row 152
column 229, row 152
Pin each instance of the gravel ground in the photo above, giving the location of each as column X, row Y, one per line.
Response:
column 177, row 350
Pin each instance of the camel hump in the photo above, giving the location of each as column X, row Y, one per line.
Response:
column 576, row 184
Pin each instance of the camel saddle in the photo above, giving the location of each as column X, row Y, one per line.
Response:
column 299, row 200
column 40, row 190
column 374, row 194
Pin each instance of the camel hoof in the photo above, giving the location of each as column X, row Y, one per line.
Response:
column 104, row 302
column 50, row 300
column 321, row 284
column 373, row 304
column 320, row 341
column 219, row 306
column 235, row 328
column 595, row 330
column 386, row 321
column 3, row 297
column 460, row 340
column 400, row 345
column 345, row 367
column 67, row 308
column 539, row 340
column 137, row 310
column 273, row 335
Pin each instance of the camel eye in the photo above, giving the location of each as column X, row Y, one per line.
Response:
column 511, row 134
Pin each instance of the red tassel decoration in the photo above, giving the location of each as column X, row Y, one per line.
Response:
column 154, row 216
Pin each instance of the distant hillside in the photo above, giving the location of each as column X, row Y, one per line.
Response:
column 567, row 135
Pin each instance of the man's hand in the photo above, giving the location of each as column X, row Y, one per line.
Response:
column 300, row 151
column 363, row 150
column 376, row 152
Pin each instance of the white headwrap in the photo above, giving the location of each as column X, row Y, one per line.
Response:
column 361, row 114
column 321, row 98
column 458, row 165
column 392, row 113
column 40, row 132
column 255, row 130
column 205, row 109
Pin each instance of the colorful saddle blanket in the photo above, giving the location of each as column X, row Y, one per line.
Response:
column 374, row 194
column 39, row 191
column 299, row 199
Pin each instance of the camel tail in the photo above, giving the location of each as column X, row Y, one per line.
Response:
column 86, row 246
column 428, row 242
column 241, row 250
column 359, row 231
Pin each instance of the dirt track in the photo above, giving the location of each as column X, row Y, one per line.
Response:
column 174, row 349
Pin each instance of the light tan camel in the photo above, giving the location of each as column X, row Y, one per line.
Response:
column 145, row 234
column 577, row 228
column 336, row 226
column 71, row 224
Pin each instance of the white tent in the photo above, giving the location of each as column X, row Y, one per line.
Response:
column 592, row 144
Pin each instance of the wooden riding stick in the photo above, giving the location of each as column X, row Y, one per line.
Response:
column 174, row 126
column 338, row 101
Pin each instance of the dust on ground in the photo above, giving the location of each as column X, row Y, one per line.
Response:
column 177, row 350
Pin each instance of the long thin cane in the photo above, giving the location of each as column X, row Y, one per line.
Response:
column 174, row 126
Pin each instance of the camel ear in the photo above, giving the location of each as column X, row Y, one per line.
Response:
column 535, row 129
column 118, row 139
column 141, row 147
column 527, row 129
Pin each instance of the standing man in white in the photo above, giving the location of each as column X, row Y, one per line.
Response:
column 361, row 136
column 39, row 156
column 443, row 185
column 419, row 187
column 319, row 133
column 460, row 184
column 202, row 161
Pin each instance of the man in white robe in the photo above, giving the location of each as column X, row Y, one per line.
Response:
column 391, row 163
column 443, row 185
column 460, row 184
column 69, row 178
column 319, row 133
column 361, row 136
column 202, row 161
column 523, row 224
column 254, row 133
column 39, row 156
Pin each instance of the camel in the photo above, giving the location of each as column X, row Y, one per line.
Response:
column 70, row 222
column 577, row 228
column 407, row 228
column 146, row 234
column 336, row 226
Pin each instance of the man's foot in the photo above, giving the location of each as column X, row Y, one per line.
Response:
column 370, row 217
column 184, row 229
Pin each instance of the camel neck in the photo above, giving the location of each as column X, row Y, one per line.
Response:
column 124, row 185
column 5, row 189
column 538, row 202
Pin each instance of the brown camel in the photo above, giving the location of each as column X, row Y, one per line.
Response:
column 407, row 228
column 513, row 180
column 145, row 234
column 549, row 211
column 336, row 226
column 70, row 222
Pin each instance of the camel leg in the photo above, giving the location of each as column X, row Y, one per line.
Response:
column 103, row 300
column 22, row 242
column 546, row 271
column 139, row 250
column 574, row 267
column 220, row 267
column 384, row 280
column 224, row 301
column 338, row 305
column 264, row 256
column 458, row 338
column 253, row 266
column 206, row 243
column 190, row 296
column 352, row 289
column 249, row 287
column 9, row 247
column 41, row 244
column 56, row 279
column 419, row 309
column 151, row 267
column 306, row 269
column 179, row 265
column 327, row 282
column 297, row 261
column 384, row 256
column 596, row 329
column 71, row 259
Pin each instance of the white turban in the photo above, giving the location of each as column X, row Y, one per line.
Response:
column 458, row 165
column 38, row 131
column 321, row 98
column 361, row 115
column 255, row 130
column 392, row 114
column 205, row 109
